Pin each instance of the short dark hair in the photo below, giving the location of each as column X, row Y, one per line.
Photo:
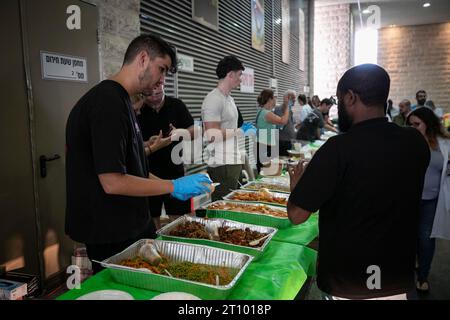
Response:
column 265, row 96
column 227, row 64
column 420, row 91
column 155, row 47
column 327, row 101
column 369, row 81
column 302, row 98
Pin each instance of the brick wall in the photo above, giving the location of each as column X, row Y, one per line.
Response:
column 118, row 25
column 332, row 47
column 417, row 57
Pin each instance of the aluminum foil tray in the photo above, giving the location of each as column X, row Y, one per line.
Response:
column 255, row 218
column 276, row 194
column 178, row 252
column 164, row 233
column 279, row 180
column 275, row 187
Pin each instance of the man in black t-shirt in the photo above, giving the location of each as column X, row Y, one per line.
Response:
column 107, row 179
column 367, row 243
column 161, row 114
column 314, row 122
column 310, row 127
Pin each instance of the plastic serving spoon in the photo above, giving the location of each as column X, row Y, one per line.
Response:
column 255, row 242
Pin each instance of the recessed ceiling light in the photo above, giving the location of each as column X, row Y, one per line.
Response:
column 366, row 11
column 392, row 25
column 426, row 4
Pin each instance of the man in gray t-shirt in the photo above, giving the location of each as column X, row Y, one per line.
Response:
column 287, row 132
column 220, row 119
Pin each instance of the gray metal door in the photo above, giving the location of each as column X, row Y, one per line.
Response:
column 18, row 238
column 50, row 35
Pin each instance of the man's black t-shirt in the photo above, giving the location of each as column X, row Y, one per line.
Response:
column 350, row 179
column 308, row 130
column 174, row 112
column 103, row 136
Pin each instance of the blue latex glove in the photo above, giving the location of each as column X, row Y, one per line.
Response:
column 190, row 186
column 248, row 129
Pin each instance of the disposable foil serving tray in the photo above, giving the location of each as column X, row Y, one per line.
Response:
column 178, row 252
column 164, row 233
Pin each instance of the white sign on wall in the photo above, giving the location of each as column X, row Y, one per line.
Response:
column 57, row 66
column 185, row 63
column 248, row 80
column 273, row 84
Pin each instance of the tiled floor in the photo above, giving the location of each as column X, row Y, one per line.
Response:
column 439, row 277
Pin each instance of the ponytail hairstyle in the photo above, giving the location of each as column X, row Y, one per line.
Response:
column 264, row 96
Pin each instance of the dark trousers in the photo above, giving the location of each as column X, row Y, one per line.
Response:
column 284, row 147
column 426, row 245
column 228, row 176
column 101, row 252
column 264, row 148
column 172, row 205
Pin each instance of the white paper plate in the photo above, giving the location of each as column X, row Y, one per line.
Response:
column 295, row 152
column 175, row 296
column 107, row 295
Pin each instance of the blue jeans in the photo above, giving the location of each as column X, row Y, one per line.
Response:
column 426, row 245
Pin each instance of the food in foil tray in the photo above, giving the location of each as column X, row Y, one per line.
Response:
column 250, row 208
column 263, row 195
column 213, row 275
column 190, row 230
column 269, row 186
column 240, row 237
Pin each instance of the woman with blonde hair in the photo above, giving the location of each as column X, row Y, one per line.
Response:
column 435, row 205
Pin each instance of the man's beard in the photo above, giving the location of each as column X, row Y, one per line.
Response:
column 344, row 121
column 144, row 79
column 421, row 102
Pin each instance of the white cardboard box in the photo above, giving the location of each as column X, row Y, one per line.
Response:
column 11, row 290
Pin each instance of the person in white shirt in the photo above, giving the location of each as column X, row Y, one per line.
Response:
column 305, row 108
column 220, row 119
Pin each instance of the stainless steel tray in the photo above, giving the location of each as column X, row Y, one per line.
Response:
column 256, row 251
column 178, row 252
column 276, row 194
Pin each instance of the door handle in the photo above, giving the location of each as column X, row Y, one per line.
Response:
column 43, row 163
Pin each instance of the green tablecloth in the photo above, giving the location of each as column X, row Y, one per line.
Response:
column 278, row 275
column 301, row 234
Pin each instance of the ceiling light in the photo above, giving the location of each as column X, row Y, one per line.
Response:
column 392, row 25
column 426, row 4
column 366, row 11
column 278, row 21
